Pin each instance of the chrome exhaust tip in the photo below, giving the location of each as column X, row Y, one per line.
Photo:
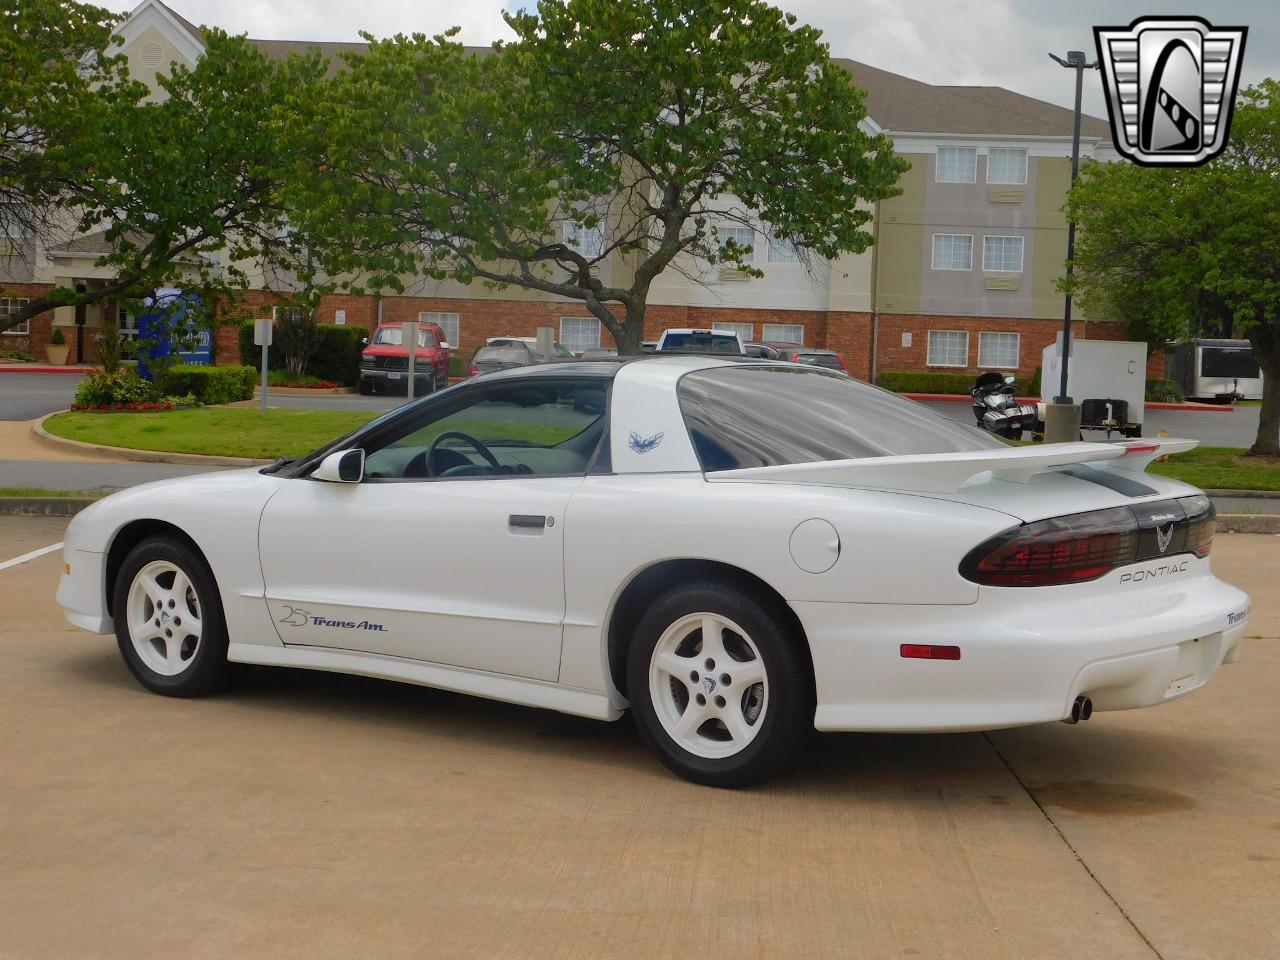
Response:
column 1081, row 709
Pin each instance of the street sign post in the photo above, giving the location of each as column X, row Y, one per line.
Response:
column 409, row 337
column 262, row 328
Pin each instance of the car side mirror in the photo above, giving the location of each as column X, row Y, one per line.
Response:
column 343, row 466
column 444, row 345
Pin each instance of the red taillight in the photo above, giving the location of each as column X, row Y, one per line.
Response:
column 1086, row 546
column 474, row 371
column 840, row 357
column 929, row 651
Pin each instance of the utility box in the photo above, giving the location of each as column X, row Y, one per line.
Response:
column 1102, row 374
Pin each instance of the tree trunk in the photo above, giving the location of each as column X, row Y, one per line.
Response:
column 1266, row 349
column 632, row 331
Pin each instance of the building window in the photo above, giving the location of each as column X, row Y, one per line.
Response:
column 1006, row 165
column 784, row 333
column 1002, row 254
column 952, row 251
column 8, row 307
column 742, row 238
column 998, row 350
column 448, row 323
column 745, row 331
column 580, row 333
column 948, row 348
column 782, row 251
column 957, row 165
column 588, row 241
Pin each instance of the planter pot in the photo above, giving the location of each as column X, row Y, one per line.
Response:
column 57, row 353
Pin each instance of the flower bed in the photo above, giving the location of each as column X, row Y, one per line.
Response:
column 146, row 406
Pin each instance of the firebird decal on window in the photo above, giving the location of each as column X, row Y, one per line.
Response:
column 644, row 444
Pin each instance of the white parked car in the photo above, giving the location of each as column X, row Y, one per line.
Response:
column 737, row 551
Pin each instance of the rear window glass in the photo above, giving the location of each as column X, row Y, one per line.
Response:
column 701, row 343
column 764, row 416
column 501, row 355
column 828, row 361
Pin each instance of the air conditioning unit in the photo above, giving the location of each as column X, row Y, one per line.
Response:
column 731, row 273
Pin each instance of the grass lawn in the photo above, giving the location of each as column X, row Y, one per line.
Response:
column 221, row 431
column 1222, row 468
column 42, row 492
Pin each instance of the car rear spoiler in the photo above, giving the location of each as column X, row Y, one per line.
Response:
column 948, row 472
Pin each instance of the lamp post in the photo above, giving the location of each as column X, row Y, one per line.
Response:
column 1062, row 417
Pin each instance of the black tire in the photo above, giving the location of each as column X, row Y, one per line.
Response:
column 209, row 669
column 787, row 723
column 365, row 387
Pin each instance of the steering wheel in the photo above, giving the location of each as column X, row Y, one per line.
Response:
column 478, row 446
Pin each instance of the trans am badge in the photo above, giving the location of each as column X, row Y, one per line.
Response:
column 297, row 617
column 1170, row 85
column 643, row 444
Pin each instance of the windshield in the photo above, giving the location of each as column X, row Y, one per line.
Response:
column 701, row 342
column 828, row 361
column 394, row 336
column 764, row 416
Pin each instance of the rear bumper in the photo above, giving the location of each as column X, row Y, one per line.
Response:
column 1024, row 658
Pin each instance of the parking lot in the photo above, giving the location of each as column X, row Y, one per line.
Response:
column 314, row 815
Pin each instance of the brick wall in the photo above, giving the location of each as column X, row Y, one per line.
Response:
column 41, row 325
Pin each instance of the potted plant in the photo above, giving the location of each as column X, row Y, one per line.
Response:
column 57, row 348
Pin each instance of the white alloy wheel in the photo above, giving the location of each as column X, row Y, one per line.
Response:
column 163, row 616
column 708, row 685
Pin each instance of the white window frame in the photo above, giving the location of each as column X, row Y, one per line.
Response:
column 445, row 320
column 724, row 231
column 571, row 342
column 1022, row 252
column 775, row 337
column 10, row 305
column 588, row 241
column 982, row 349
column 782, row 251
column 1008, row 150
column 745, row 331
column 933, row 255
column 973, row 167
column 929, row 361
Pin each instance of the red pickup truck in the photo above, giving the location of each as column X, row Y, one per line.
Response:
column 384, row 363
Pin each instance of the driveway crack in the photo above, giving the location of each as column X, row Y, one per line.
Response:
column 1155, row 952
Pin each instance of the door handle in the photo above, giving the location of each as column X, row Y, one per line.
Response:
column 527, row 521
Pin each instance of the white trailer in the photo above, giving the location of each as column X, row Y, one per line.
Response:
column 1108, row 378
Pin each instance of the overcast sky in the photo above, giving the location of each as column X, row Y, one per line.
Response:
column 995, row 42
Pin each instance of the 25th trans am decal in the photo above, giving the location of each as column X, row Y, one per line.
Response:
column 297, row 617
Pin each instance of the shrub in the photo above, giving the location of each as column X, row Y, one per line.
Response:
column 58, row 338
column 910, row 381
column 1033, row 388
column 337, row 357
column 1164, row 391
column 209, row 384
column 20, row 355
column 458, row 366
column 281, row 378
column 104, row 389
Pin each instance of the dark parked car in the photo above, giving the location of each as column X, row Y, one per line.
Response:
column 513, row 353
column 796, row 353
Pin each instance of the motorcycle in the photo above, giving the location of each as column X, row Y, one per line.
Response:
column 996, row 408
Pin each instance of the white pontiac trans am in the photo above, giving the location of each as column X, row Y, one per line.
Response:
column 739, row 551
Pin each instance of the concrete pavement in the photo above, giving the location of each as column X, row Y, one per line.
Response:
column 24, row 396
column 314, row 815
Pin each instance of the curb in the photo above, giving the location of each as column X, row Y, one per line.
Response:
column 42, row 368
column 1150, row 404
column 43, row 506
column 302, row 391
column 1248, row 494
column 1249, row 523
column 104, row 452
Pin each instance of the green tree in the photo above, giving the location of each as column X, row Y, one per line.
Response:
column 185, row 185
column 1179, row 252
column 613, row 140
column 53, row 54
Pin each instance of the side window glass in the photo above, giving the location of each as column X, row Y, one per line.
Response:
column 521, row 428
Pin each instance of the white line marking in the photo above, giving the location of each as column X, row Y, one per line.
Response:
column 29, row 556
